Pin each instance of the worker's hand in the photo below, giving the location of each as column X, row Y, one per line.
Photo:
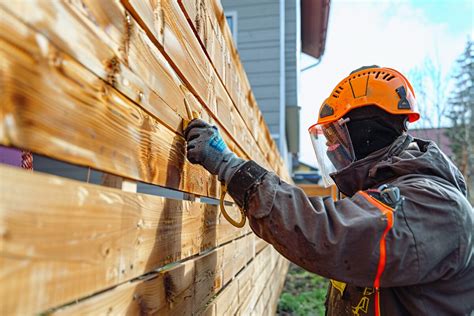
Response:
column 207, row 148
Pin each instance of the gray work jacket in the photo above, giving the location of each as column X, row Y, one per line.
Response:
column 415, row 259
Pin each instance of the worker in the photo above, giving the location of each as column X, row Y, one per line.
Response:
column 400, row 242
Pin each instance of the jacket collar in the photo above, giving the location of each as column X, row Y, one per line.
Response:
column 364, row 174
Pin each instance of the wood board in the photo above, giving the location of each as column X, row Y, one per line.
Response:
column 182, row 289
column 69, row 239
column 124, row 57
column 209, row 23
column 85, row 83
column 171, row 32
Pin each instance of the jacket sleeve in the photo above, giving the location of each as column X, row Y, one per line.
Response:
column 343, row 240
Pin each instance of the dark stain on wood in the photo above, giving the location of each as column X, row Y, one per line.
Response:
column 125, row 42
column 112, row 67
column 169, row 288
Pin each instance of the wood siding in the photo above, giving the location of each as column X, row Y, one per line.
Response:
column 98, row 91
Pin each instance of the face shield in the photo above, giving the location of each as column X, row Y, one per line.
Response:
column 333, row 148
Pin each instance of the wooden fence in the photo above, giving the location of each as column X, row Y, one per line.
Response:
column 106, row 85
column 318, row 190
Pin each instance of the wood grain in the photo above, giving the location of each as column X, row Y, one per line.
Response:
column 182, row 289
column 318, row 190
column 123, row 56
column 248, row 296
column 83, row 81
column 53, row 106
column 259, row 244
column 209, row 23
column 263, row 299
column 240, row 296
column 272, row 304
column 66, row 239
column 267, row 301
column 168, row 28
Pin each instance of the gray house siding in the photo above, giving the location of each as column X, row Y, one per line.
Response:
column 292, row 73
column 258, row 38
column 291, row 51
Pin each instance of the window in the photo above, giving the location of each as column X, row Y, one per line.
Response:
column 231, row 18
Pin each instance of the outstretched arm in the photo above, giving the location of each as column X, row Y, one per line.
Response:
column 343, row 240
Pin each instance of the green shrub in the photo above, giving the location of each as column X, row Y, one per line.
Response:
column 304, row 293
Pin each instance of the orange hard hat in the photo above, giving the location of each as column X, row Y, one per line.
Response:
column 372, row 85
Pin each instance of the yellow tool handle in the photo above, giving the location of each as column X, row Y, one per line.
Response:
column 195, row 115
column 192, row 115
column 226, row 215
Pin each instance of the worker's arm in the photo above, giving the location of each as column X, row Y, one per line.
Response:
column 357, row 240
column 339, row 240
column 360, row 240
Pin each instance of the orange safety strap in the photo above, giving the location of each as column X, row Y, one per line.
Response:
column 388, row 212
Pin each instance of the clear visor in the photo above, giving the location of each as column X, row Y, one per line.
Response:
column 333, row 148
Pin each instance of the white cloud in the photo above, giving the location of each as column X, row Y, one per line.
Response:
column 386, row 33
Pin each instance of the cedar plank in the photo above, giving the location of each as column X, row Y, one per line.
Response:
column 71, row 239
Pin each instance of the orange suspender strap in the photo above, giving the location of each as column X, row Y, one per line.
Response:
column 388, row 212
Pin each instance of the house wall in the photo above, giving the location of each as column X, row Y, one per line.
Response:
column 268, row 44
column 292, row 51
column 258, row 41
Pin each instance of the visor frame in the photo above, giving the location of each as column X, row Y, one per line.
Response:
column 334, row 153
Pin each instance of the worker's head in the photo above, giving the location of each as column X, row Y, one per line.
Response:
column 366, row 112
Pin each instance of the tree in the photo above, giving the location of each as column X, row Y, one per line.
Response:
column 461, row 115
column 430, row 84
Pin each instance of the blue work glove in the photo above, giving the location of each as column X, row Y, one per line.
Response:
column 207, row 148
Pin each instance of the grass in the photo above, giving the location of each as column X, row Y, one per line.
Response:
column 304, row 293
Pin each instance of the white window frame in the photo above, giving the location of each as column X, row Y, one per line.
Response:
column 233, row 30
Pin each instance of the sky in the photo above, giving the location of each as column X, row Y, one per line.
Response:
column 397, row 34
